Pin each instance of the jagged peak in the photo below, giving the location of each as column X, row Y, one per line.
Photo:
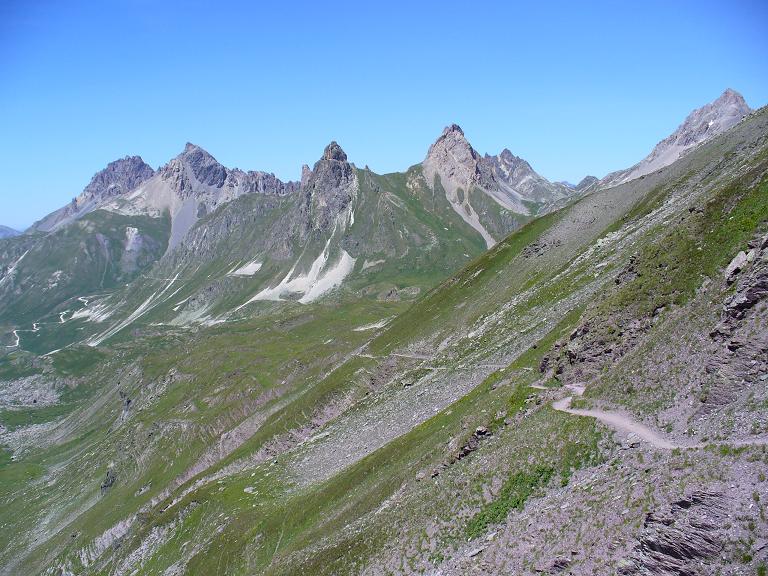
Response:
column 122, row 174
column 334, row 152
column 453, row 129
column 306, row 173
column 193, row 150
column 731, row 95
column 453, row 139
column 507, row 156
column 205, row 168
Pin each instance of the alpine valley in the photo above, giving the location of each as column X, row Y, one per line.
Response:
column 462, row 368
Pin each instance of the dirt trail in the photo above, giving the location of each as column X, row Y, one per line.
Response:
column 619, row 422
column 627, row 425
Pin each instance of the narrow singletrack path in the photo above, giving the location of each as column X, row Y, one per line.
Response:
column 627, row 425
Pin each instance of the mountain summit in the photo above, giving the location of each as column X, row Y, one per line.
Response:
column 118, row 178
column 700, row 125
column 505, row 178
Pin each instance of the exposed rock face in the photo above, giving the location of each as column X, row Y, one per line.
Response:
column 700, row 125
column 197, row 174
column 741, row 358
column 329, row 188
column 453, row 160
column 515, row 177
column 204, row 166
column 117, row 179
column 193, row 185
column 507, row 179
column 675, row 539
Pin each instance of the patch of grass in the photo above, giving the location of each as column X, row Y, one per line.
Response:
column 13, row 419
column 513, row 496
column 77, row 361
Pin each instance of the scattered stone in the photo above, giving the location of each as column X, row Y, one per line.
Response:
column 474, row 552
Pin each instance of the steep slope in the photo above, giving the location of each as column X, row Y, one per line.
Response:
column 700, row 125
column 361, row 437
column 118, row 178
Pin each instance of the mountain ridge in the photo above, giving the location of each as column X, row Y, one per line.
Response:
column 700, row 125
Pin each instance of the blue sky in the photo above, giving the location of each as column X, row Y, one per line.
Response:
column 572, row 87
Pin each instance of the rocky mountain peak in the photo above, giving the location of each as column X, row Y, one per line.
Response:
column 329, row 187
column 334, row 152
column 732, row 97
column 306, row 172
column 453, row 158
column 453, row 129
column 118, row 177
column 586, row 182
column 704, row 123
column 197, row 161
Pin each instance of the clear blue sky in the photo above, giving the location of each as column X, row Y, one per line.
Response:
column 573, row 87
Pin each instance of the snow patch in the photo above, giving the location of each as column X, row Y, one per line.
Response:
column 331, row 279
column 370, row 264
column 314, row 284
column 132, row 239
column 379, row 324
column 248, row 269
column 145, row 307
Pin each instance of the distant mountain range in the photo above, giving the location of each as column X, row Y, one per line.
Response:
column 231, row 239
column 6, row 232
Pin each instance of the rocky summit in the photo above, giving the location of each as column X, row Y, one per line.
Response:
column 462, row 368
column 700, row 125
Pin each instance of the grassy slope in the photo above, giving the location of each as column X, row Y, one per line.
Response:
column 337, row 526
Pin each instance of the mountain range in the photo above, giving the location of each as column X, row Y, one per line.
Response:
column 462, row 368
column 230, row 239
column 6, row 232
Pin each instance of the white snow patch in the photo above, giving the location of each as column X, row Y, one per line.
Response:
column 331, row 279
column 145, row 307
column 248, row 269
column 18, row 340
column 312, row 285
column 370, row 264
column 12, row 268
column 379, row 324
column 132, row 240
column 96, row 313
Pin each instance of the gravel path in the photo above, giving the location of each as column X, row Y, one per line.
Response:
column 628, row 426
column 619, row 422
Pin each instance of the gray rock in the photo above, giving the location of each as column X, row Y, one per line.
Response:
column 736, row 266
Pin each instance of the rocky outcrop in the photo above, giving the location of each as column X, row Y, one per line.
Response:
column 507, row 178
column 742, row 354
column 117, row 178
column 675, row 539
column 328, row 189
